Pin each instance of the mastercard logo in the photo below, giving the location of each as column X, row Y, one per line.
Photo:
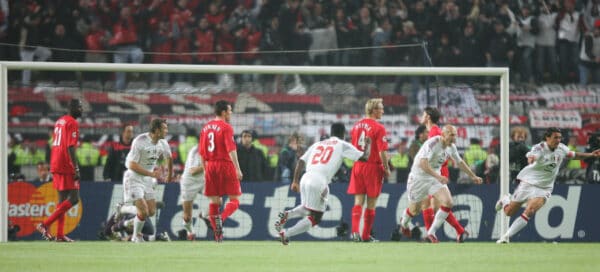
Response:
column 30, row 205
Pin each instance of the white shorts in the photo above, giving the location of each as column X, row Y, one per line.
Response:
column 420, row 189
column 137, row 187
column 526, row 191
column 190, row 187
column 314, row 192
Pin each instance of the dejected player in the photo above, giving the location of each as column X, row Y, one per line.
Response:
column 65, row 170
column 367, row 177
column 221, row 167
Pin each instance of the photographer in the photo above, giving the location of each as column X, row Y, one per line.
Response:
column 592, row 174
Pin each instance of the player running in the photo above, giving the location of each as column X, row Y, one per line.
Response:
column 322, row 161
column 425, row 179
column 536, row 180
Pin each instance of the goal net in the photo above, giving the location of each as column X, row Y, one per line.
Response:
column 277, row 105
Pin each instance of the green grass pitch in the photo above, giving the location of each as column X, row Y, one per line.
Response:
column 298, row 256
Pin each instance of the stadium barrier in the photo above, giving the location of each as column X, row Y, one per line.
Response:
column 563, row 218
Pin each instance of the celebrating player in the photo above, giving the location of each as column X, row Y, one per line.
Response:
column 430, row 119
column 222, row 170
column 138, row 180
column 64, row 168
column 192, row 183
column 536, row 180
column 425, row 179
column 367, row 177
column 322, row 160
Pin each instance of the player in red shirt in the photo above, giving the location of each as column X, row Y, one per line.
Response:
column 65, row 170
column 430, row 119
column 218, row 153
column 367, row 177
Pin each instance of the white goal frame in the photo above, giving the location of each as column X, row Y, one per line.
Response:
column 502, row 73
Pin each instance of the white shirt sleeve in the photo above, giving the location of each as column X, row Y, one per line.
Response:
column 568, row 152
column 134, row 153
column 535, row 152
column 454, row 154
column 307, row 153
column 350, row 152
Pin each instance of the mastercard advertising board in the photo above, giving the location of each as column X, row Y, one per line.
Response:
column 30, row 205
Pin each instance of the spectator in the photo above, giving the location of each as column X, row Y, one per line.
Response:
column 592, row 173
column 527, row 28
column 88, row 157
column 469, row 47
column 43, row 173
column 204, row 42
column 287, row 158
column 115, row 162
column 421, row 135
column 344, row 28
column 191, row 139
column 500, row 51
column 400, row 162
column 572, row 145
column 34, row 40
column 64, row 39
column 252, row 161
column 492, row 166
column 475, row 156
column 517, row 149
column 162, row 42
column 545, row 44
column 589, row 56
column 570, row 25
column 125, row 43
column 96, row 41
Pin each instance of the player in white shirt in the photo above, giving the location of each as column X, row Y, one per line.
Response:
column 425, row 179
column 537, row 179
column 322, row 161
column 138, row 180
column 191, row 184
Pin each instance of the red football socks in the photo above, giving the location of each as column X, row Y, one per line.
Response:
column 230, row 208
column 356, row 214
column 61, row 209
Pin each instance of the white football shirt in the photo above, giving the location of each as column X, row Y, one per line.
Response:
column 543, row 171
column 145, row 153
column 436, row 154
column 325, row 157
column 193, row 160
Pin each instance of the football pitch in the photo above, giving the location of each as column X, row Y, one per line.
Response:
column 298, row 256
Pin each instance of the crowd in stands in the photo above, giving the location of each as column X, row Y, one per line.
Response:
column 543, row 41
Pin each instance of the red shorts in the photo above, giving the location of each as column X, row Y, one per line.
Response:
column 62, row 182
column 366, row 178
column 221, row 179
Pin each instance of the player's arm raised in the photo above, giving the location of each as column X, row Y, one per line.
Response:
column 593, row 154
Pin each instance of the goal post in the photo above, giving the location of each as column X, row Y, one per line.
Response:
column 501, row 73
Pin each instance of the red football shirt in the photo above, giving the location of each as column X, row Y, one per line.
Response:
column 368, row 127
column 66, row 134
column 216, row 141
column 434, row 131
